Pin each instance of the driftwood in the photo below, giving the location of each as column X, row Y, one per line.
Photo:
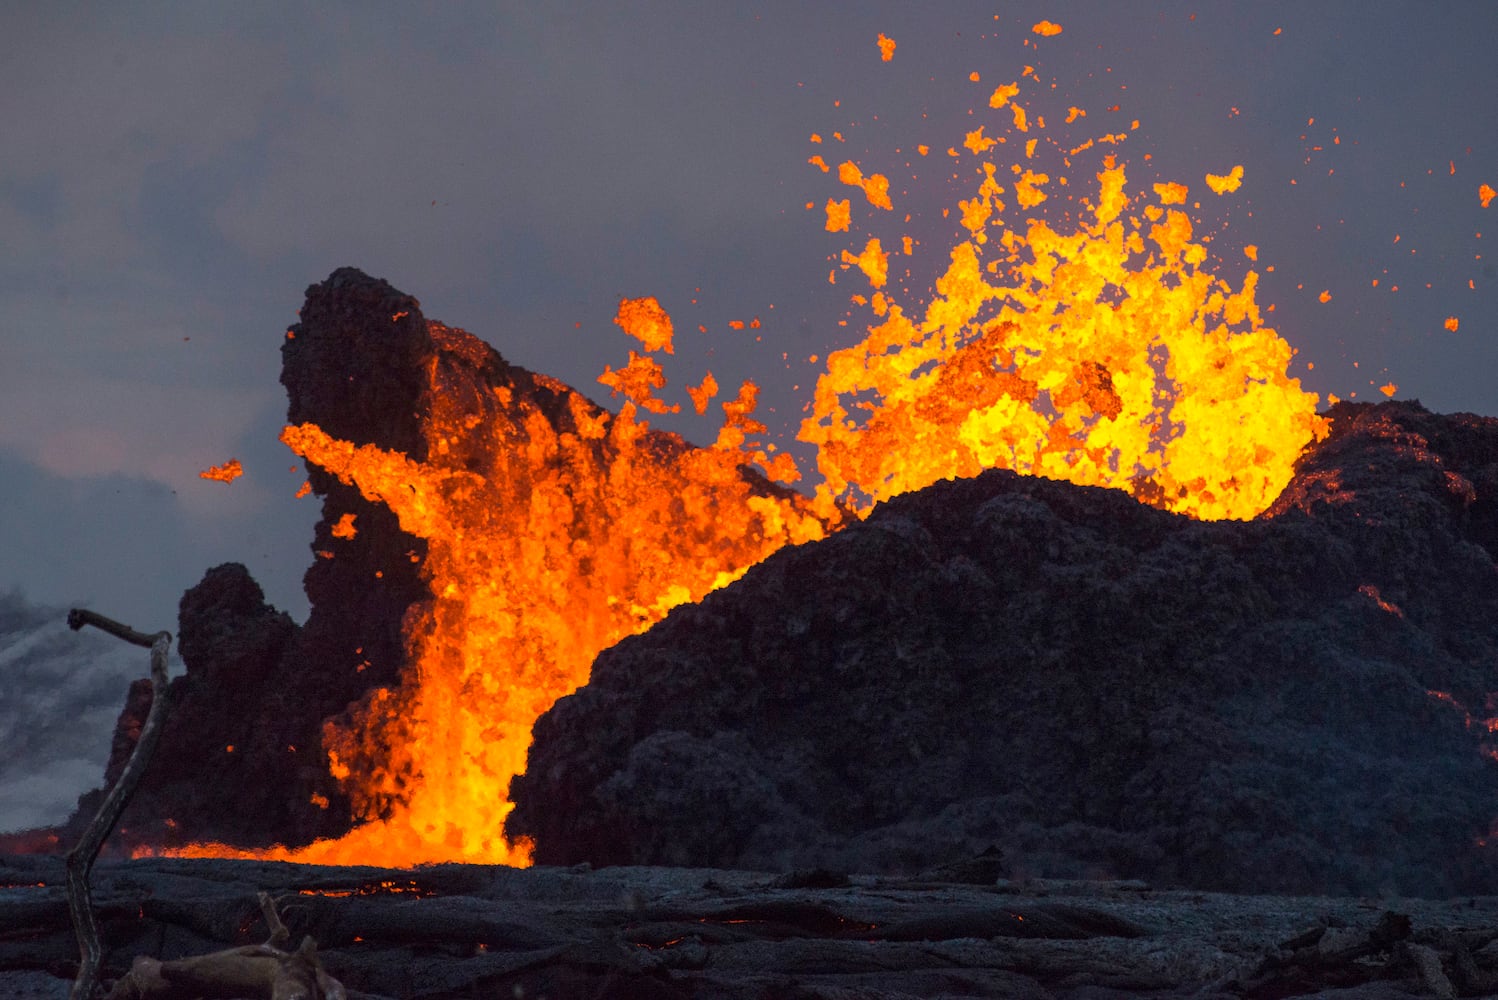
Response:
column 260, row 970
column 81, row 858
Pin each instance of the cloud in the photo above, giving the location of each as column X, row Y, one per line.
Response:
column 115, row 542
column 91, row 104
column 559, row 129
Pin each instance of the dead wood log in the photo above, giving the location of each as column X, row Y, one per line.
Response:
column 80, row 860
column 263, row 970
column 1341, row 956
column 257, row 970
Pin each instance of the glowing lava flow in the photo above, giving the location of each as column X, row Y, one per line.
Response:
column 1102, row 353
column 550, row 538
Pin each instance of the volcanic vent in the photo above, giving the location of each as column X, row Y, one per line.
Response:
column 488, row 531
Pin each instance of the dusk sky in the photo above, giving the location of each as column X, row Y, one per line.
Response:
column 175, row 175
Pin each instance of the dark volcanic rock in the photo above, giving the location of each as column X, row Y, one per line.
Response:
column 356, row 365
column 238, row 757
column 1093, row 685
column 359, row 365
column 462, row 931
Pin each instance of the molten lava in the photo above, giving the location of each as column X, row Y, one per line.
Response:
column 226, row 473
column 550, row 537
column 1104, row 354
column 1098, row 349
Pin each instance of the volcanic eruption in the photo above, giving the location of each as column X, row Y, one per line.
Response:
column 488, row 532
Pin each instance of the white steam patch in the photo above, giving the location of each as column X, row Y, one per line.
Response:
column 63, row 691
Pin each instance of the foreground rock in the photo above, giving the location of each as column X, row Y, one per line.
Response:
column 1291, row 704
column 463, row 931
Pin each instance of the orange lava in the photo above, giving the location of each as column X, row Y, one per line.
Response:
column 546, row 544
column 1226, row 183
column 875, row 186
column 1097, row 346
column 838, row 215
column 226, row 473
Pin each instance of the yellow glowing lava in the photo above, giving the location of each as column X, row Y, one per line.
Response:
column 1226, row 183
column 1104, row 354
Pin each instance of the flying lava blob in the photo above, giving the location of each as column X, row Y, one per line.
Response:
column 226, row 473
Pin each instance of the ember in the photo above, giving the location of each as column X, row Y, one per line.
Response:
column 226, row 473
column 385, row 887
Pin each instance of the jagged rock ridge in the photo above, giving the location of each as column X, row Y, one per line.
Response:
column 255, row 681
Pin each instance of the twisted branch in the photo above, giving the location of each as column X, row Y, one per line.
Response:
column 80, row 859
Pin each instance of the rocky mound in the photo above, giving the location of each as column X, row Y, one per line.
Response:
column 1291, row 704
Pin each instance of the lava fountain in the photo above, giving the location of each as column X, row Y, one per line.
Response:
column 1093, row 344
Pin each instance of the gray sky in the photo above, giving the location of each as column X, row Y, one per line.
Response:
column 173, row 176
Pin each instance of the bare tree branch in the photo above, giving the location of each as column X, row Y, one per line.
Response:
column 80, row 859
column 279, row 935
column 79, row 617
